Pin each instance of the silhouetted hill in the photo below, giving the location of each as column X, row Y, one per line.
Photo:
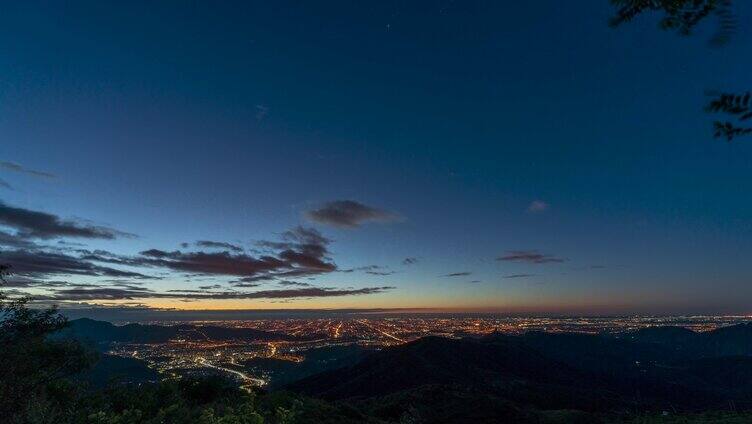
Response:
column 283, row 372
column 502, row 368
column 99, row 332
column 594, row 353
column 664, row 335
column 544, row 371
column 725, row 341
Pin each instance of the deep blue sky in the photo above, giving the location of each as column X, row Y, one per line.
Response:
column 229, row 122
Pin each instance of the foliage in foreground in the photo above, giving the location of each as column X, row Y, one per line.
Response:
column 683, row 16
column 706, row 418
column 206, row 401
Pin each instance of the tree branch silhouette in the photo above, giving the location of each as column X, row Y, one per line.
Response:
column 683, row 16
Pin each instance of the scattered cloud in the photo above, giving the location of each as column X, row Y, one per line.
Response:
column 457, row 274
column 41, row 264
column 294, row 283
column 538, row 206
column 244, row 284
column 35, row 224
column 12, row 240
column 11, row 166
column 217, row 245
column 519, row 276
column 301, row 252
column 224, row 263
column 24, row 282
column 70, row 243
column 370, row 269
column 380, row 272
column 79, row 294
column 529, row 256
column 361, row 268
column 349, row 214
column 5, row 184
column 410, row 261
column 261, row 112
column 132, row 286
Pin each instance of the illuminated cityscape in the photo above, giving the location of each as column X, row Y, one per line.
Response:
column 247, row 360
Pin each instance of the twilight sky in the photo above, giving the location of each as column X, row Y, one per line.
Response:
column 475, row 155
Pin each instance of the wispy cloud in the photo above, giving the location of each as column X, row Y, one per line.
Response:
column 370, row 269
column 410, row 261
column 261, row 112
column 519, row 276
column 457, row 274
column 78, row 294
column 529, row 256
column 294, row 283
column 361, row 268
column 40, row 264
column 36, row 224
column 537, row 206
column 218, row 245
column 11, row 166
column 349, row 214
column 301, row 252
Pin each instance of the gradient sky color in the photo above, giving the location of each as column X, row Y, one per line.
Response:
column 476, row 129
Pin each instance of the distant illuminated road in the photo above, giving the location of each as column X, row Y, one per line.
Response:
column 392, row 336
column 337, row 330
column 255, row 381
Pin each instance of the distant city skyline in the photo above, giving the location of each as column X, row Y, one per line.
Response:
column 462, row 156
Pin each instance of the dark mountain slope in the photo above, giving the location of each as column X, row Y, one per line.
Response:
column 100, row 332
column 543, row 371
column 593, row 353
column 493, row 367
column 664, row 335
column 726, row 341
column 317, row 360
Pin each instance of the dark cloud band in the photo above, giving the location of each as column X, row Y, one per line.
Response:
column 79, row 294
column 35, row 224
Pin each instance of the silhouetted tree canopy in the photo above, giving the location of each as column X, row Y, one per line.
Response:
column 683, row 16
column 31, row 363
column 736, row 105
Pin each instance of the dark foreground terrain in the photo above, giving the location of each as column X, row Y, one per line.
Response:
column 58, row 372
column 540, row 376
